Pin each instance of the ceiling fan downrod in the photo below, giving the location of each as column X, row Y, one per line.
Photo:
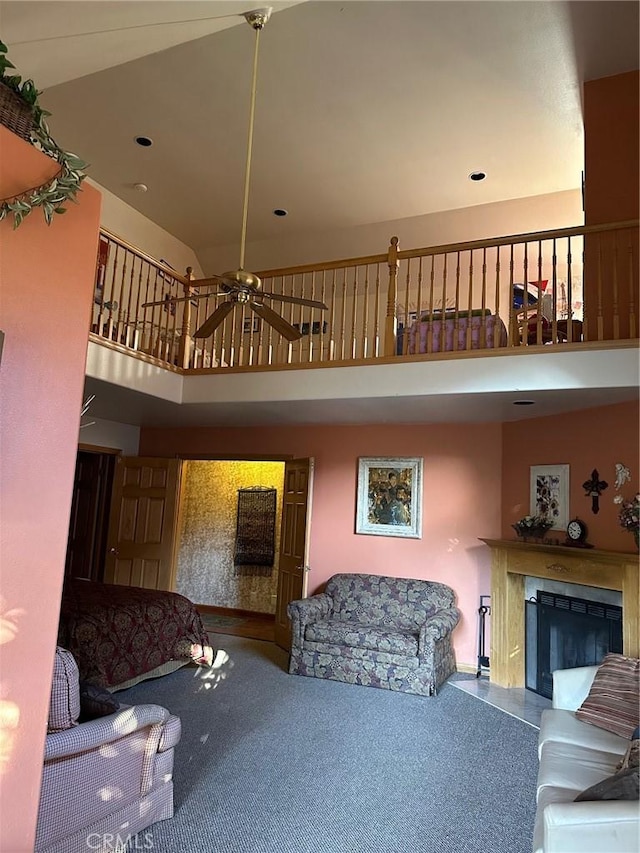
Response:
column 256, row 19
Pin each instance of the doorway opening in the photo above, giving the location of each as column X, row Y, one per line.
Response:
column 89, row 519
column 205, row 571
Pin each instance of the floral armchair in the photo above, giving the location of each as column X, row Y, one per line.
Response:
column 378, row 631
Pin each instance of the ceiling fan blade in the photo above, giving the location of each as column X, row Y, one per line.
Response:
column 279, row 323
column 296, row 300
column 216, row 319
column 212, row 293
column 170, row 301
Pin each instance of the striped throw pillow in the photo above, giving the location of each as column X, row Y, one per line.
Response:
column 613, row 702
column 64, row 708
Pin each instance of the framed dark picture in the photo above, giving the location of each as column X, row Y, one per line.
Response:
column 251, row 324
column 389, row 499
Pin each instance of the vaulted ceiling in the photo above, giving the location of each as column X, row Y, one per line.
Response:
column 366, row 112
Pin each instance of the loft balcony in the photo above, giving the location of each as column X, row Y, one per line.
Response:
column 551, row 311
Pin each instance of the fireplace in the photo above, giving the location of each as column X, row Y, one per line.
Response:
column 513, row 561
column 563, row 631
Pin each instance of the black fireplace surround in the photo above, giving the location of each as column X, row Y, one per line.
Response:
column 562, row 632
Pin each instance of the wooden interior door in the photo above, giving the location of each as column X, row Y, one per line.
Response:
column 143, row 523
column 89, row 515
column 293, row 566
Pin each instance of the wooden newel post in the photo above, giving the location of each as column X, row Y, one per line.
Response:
column 391, row 321
column 186, row 341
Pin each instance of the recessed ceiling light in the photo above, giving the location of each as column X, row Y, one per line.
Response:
column 144, row 141
column 477, row 176
column 524, row 402
column 280, row 211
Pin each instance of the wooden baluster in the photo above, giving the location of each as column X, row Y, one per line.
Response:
column 185, row 346
column 144, row 323
column 365, row 313
column 456, row 317
column 123, row 331
column 429, row 321
column 407, row 306
column 600, row 318
column 616, row 314
column 496, row 331
column 288, row 345
column 391, row 322
column 515, row 330
column 569, row 292
column 376, row 315
column 443, row 312
column 554, row 292
column 584, row 333
column 483, row 303
column 539, row 335
column 354, row 312
column 416, row 336
column 114, row 319
column 469, row 303
column 135, row 332
column 332, row 321
column 106, row 326
column 343, row 314
column 632, row 291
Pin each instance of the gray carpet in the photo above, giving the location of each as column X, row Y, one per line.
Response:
column 278, row 763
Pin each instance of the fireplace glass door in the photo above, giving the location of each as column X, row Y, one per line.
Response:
column 562, row 632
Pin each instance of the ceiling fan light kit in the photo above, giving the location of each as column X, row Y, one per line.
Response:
column 241, row 286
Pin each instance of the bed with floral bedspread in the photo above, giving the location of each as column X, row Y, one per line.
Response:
column 122, row 634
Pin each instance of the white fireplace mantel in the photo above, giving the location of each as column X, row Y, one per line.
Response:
column 513, row 560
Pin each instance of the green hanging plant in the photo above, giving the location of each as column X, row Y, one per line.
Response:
column 65, row 184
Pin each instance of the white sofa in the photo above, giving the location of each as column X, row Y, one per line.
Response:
column 575, row 755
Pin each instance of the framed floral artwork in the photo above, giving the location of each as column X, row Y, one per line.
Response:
column 389, row 501
column 549, row 494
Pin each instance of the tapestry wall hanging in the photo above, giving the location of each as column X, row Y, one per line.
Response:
column 254, row 552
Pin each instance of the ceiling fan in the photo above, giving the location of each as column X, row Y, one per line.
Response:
column 243, row 287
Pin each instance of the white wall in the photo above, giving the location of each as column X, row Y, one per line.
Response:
column 126, row 222
column 517, row 216
column 102, row 433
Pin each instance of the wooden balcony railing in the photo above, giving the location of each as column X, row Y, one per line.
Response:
column 571, row 286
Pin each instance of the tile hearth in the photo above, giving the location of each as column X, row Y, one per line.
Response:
column 516, row 701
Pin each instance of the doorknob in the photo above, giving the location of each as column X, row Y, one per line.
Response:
column 113, row 551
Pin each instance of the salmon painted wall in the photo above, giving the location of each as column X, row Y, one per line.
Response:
column 461, row 499
column 612, row 194
column 593, row 438
column 45, row 271
column 611, row 163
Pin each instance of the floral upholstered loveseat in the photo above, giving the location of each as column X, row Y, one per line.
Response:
column 376, row 631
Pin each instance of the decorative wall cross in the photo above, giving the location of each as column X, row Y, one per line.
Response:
column 593, row 489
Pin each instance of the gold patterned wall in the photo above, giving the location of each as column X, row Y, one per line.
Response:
column 207, row 533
